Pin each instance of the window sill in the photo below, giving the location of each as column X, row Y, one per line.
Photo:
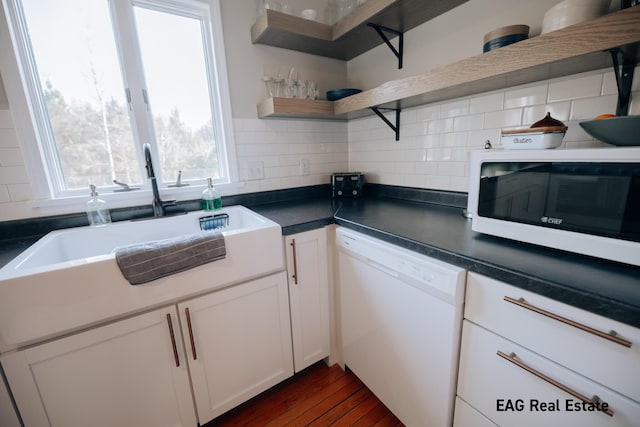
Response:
column 133, row 198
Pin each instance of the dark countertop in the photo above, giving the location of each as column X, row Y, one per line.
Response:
column 606, row 288
column 439, row 230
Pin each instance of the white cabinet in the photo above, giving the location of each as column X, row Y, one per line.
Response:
column 308, row 279
column 466, row 416
column 529, row 360
column 8, row 416
column 238, row 343
column 128, row 373
column 513, row 394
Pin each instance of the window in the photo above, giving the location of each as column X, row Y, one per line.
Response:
column 103, row 77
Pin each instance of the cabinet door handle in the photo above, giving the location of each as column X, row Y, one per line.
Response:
column 595, row 400
column 611, row 336
column 295, row 262
column 193, row 343
column 173, row 340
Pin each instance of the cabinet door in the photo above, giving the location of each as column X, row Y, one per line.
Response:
column 238, row 343
column 8, row 417
column 128, row 373
column 309, row 296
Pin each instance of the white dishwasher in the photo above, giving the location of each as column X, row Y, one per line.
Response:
column 401, row 317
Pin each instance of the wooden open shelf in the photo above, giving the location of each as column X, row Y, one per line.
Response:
column 350, row 36
column 301, row 108
column 578, row 48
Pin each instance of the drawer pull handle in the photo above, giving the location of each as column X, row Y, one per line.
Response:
column 595, row 400
column 295, row 261
column 611, row 336
column 193, row 343
column 173, row 341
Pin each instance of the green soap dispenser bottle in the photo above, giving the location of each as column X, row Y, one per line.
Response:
column 211, row 199
column 97, row 209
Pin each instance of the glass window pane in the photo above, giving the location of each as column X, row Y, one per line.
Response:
column 175, row 71
column 81, row 83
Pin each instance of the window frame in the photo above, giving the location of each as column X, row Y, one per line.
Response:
column 22, row 85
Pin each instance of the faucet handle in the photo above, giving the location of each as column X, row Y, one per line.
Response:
column 178, row 181
column 123, row 187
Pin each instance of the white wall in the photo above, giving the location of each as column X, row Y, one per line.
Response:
column 435, row 138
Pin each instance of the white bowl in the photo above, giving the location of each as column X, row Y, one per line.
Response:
column 569, row 12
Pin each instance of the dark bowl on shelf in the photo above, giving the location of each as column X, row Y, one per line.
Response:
column 615, row 130
column 503, row 41
column 334, row 95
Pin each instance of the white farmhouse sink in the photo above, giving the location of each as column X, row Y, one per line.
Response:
column 69, row 279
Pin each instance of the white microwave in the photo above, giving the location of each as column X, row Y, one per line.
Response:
column 580, row 200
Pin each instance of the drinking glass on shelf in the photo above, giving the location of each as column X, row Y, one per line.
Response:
column 290, row 88
column 269, row 86
column 312, row 91
column 302, row 89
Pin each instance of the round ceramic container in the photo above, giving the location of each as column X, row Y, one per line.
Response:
column 504, row 36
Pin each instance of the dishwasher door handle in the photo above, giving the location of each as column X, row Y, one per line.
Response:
column 383, row 268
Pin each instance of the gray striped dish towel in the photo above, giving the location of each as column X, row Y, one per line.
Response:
column 147, row 261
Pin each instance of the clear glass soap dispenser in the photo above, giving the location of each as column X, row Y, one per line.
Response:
column 211, row 199
column 97, row 209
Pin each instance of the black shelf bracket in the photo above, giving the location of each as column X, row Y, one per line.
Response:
column 396, row 127
column 381, row 30
column 624, row 79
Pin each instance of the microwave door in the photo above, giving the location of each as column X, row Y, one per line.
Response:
column 515, row 196
column 587, row 203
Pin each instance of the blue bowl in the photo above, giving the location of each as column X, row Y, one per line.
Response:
column 334, row 95
column 503, row 41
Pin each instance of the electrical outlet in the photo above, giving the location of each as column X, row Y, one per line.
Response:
column 304, row 167
column 255, row 170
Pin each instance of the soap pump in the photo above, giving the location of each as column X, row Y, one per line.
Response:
column 97, row 209
column 211, row 199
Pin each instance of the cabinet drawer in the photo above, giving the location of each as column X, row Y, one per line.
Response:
column 606, row 362
column 513, row 395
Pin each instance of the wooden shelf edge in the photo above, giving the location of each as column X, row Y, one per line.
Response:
column 531, row 60
column 297, row 108
column 350, row 36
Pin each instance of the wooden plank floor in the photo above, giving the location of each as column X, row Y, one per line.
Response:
column 318, row 396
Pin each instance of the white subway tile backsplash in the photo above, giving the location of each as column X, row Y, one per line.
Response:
column 6, row 121
column 8, row 139
column 11, row 157
column 13, row 175
column 455, row 108
column 426, row 113
column 526, row 96
column 440, row 126
column 4, row 194
column 436, row 154
column 558, row 110
column 589, row 108
column 575, row 88
column 20, row 192
column 454, row 139
column 503, row 119
column 472, row 122
column 486, row 103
